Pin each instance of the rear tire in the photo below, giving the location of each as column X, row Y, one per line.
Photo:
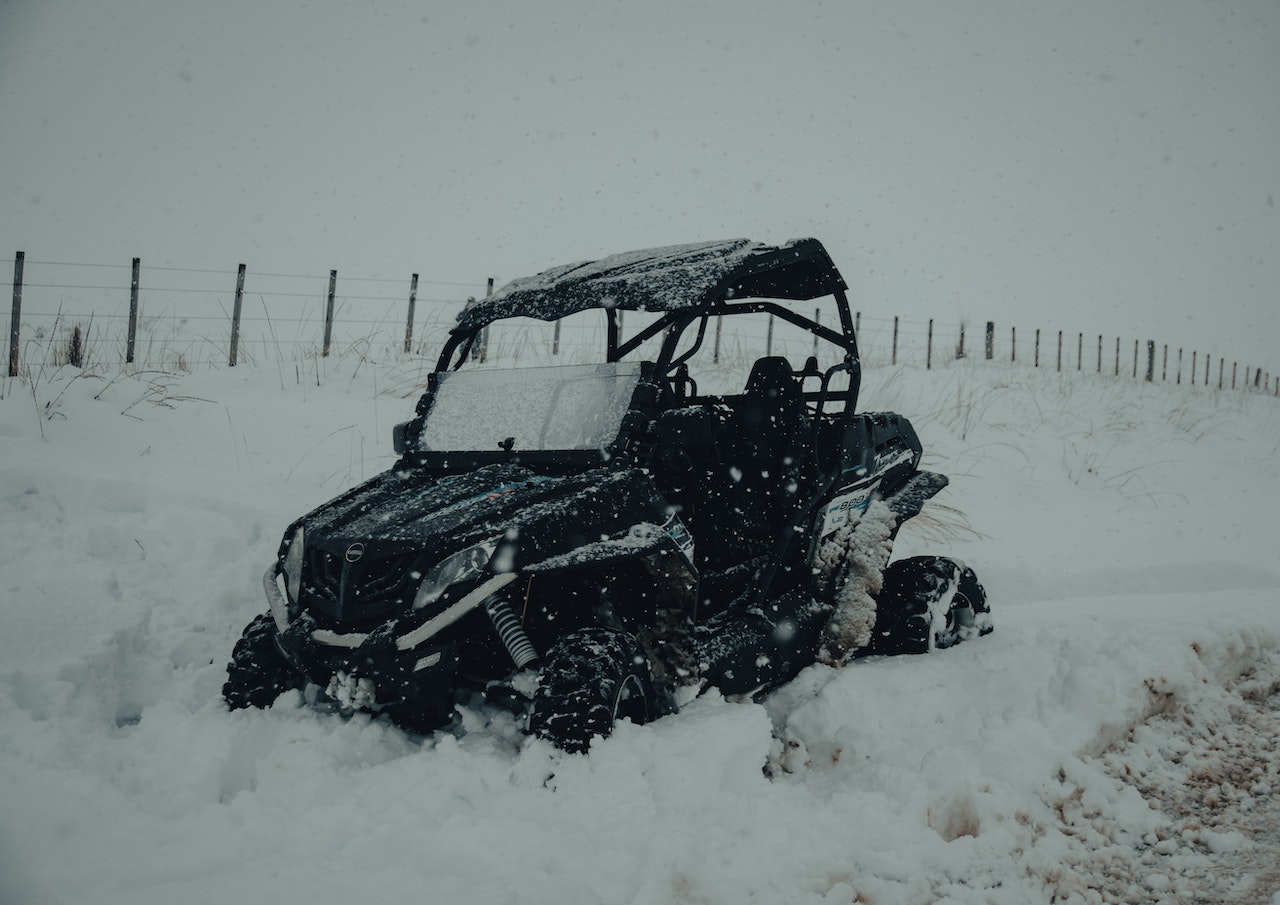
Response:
column 928, row 603
column 258, row 673
column 592, row 678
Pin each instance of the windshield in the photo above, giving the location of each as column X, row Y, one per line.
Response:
column 561, row 408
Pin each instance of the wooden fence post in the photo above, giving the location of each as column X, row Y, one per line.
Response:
column 133, row 313
column 483, row 351
column 1193, row 367
column 235, row 318
column 1234, row 366
column 715, row 354
column 928, row 357
column 1059, row 350
column 960, row 344
column 1206, row 369
column 15, row 325
column 894, row 359
column 1151, row 360
column 1080, row 352
column 1036, row 357
column 991, row 339
column 1117, row 374
column 1135, row 359
column 408, row 324
column 1179, row 380
column 1222, row 364
column 768, row 337
column 328, row 313
column 1013, row 344
column 1099, row 353
column 1164, row 365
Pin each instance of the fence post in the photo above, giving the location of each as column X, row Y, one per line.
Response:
column 133, row 313
column 1117, row 374
column 1013, row 344
column 1234, row 365
column 1206, row 369
column 15, row 325
column 328, row 313
column 960, row 345
column 235, row 317
column 768, row 337
column 408, row 324
column 1037, row 354
column 1151, row 360
column 928, row 357
column 1135, row 359
column 1080, row 352
column 1164, row 365
column 991, row 339
column 483, row 351
column 1059, row 351
column 894, row 359
column 1193, row 367
column 715, row 354
column 1257, row 378
column 1099, row 353
column 1222, row 365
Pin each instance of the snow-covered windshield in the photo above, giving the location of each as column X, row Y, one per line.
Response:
column 561, row 408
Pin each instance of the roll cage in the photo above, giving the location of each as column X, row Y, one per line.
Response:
column 686, row 285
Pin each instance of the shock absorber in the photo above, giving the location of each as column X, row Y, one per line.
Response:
column 510, row 631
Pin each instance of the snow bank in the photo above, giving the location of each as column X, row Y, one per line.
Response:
column 1121, row 530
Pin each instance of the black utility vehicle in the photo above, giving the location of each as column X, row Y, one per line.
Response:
column 589, row 542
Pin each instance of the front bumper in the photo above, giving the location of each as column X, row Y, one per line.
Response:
column 387, row 667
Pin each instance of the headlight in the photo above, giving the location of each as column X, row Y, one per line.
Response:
column 464, row 565
column 293, row 567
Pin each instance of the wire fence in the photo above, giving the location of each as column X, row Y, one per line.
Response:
column 180, row 318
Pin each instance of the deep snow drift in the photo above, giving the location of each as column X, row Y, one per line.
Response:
column 1114, row 740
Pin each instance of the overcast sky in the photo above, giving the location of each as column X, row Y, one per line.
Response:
column 1093, row 165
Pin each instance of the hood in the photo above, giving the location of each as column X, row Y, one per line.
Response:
column 412, row 513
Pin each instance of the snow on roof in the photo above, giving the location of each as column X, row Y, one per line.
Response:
column 664, row 279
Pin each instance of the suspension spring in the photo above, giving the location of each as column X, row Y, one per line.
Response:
column 511, row 632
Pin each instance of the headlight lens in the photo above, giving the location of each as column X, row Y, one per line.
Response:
column 293, row 567
column 462, row 566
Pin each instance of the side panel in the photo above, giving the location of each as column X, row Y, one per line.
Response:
column 880, row 454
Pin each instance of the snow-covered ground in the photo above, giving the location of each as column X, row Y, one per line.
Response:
column 1114, row 740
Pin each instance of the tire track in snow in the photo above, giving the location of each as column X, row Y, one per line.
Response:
column 1208, row 761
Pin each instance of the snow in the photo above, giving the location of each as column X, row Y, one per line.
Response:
column 1113, row 740
column 654, row 279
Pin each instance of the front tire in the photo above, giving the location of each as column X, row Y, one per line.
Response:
column 258, row 673
column 927, row 603
column 592, row 678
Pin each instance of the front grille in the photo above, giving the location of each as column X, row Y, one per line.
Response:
column 363, row 593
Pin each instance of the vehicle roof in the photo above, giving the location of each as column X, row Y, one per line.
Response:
column 695, row 276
